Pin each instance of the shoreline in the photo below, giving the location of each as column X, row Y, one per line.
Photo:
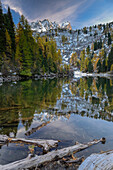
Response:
column 14, row 78
column 78, row 74
column 71, row 74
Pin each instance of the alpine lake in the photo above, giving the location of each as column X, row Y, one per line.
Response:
column 76, row 110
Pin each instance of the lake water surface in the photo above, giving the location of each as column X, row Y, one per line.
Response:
column 77, row 110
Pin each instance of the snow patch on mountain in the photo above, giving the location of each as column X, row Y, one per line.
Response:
column 46, row 25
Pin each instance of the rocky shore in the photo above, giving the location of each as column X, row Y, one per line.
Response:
column 14, row 78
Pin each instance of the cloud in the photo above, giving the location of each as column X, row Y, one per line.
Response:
column 63, row 14
column 79, row 12
column 40, row 9
column 14, row 5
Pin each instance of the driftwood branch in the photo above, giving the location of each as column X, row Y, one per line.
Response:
column 45, row 144
column 51, row 156
column 28, row 133
column 75, row 161
column 102, row 161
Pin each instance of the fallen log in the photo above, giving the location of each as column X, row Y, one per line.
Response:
column 102, row 161
column 28, row 133
column 45, row 144
column 51, row 156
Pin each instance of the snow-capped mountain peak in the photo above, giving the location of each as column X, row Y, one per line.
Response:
column 45, row 25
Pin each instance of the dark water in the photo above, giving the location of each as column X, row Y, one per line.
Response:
column 78, row 110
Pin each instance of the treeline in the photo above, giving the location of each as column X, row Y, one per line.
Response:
column 20, row 52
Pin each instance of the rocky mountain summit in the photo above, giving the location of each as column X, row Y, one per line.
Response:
column 46, row 25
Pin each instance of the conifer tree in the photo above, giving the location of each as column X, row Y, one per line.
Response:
column 99, row 66
column 73, row 59
column 95, row 46
column 110, row 59
column 2, row 31
column 103, row 68
column 90, row 67
column 86, row 64
column 8, row 45
column 109, row 39
column 11, row 30
column 88, row 50
column 82, row 64
column 59, row 60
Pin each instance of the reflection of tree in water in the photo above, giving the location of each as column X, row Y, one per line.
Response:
column 87, row 97
column 51, row 100
column 24, row 98
column 98, row 92
column 8, row 122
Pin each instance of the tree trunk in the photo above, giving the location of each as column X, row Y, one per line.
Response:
column 45, row 144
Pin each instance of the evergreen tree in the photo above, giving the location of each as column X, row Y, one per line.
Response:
column 59, row 59
column 90, row 28
column 11, row 29
column 82, row 59
column 85, row 30
column 73, row 59
column 2, row 31
column 8, row 45
column 111, row 68
column 88, row 50
column 103, row 66
column 90, row 67
column 86, row 64
column 99, row 66
column 95, row 46
column 100, row 44
column 109, row 39
column 104, row 27
column 110, row 59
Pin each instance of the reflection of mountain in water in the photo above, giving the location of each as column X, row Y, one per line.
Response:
column 92, row 102
column 51, row 100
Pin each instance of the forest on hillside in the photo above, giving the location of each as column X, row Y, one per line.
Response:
column 20, row 52
column 97, row 56
column 91, row 62
column 23, row 54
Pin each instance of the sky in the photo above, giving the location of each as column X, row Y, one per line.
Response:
column 79, row 13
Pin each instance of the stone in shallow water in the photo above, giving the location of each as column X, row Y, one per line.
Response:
column 3, row 139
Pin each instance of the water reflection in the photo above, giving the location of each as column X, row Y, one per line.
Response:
column 71, row 107
column 19, row 102
column 23, row 103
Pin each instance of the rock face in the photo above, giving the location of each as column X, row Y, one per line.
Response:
column 43, row 26
column 66, row 25
column 46, row 25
